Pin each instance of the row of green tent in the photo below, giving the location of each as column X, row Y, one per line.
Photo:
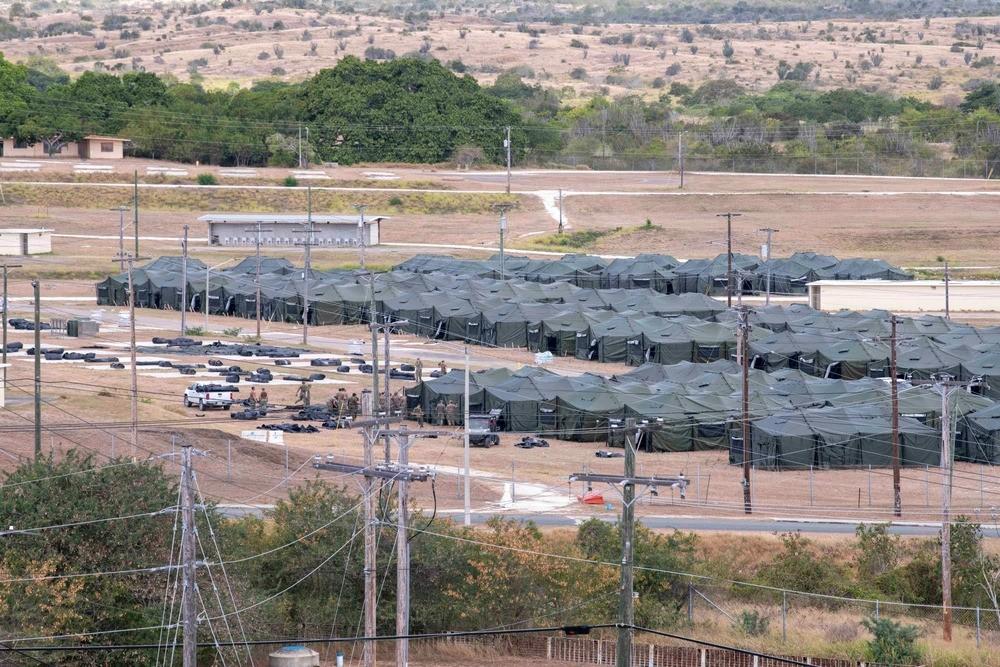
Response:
column 663, row 273
column 796, row 420
column 617, row 325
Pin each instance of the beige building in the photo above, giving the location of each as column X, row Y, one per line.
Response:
column 907, row 296
column 93, row 146
column 25, row 241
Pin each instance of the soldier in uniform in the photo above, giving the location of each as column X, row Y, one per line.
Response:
column 396, row 403
column 341, row 400
column 451, row 412
column 418, row 370
column 353, row 405
column 263, row 400
column 443, row 367
column 418, row 415
column 252, row 399
column 302, row 394
column 439, row 413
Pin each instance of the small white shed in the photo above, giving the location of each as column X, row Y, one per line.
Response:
column 25, row 241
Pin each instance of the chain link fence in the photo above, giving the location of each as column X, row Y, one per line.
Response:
column 785, row 164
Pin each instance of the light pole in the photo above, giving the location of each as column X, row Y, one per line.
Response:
column 503, row 208
column 729, row 255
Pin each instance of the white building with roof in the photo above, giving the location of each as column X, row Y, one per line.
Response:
column 332, row 231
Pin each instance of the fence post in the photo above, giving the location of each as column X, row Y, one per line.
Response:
column 978, row 628
column 876, row 610
column 704, row 657
column 651, row 649
column 690, row 604
column 784, row 616
column 548, row 648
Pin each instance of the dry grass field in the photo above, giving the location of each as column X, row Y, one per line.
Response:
column 239, row 46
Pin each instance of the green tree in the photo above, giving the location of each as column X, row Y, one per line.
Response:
column 73, row 490
column 893, row 643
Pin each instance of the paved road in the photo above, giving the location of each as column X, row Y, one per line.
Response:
column 694, row 524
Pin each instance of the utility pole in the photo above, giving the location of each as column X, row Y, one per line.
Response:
column 506, row 145
column 468, row 471
column 403, row 557
column 627, row 483
column 361, row 232
column 300, row 145
column 189, row 607
column 729, row 254
column 38, row 366
column 371, row 526
column 257, row 230
column 184, row 280
column 897, row 502
column 135, row 208
column 503, row 208
column 134, row 394
column 626, row 601
column 560, row 211
column 947, row 291
column 767, row 289
column 680, row 156
column 6, row 313
column 307, row 245
column 947, row 449
column 121, row 234
column 387, row 392
column 402, row 473
column 744, row 332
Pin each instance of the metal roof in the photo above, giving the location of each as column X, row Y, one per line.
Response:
column 25, row 230
column 295, row 218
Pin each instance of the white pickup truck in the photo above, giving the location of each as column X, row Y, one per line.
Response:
column 205, row 395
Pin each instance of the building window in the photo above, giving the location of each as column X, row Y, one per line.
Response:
column 107, row 147
column 21, row 143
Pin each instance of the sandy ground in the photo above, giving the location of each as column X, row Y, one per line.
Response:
column 87, row 405
column 910, row 52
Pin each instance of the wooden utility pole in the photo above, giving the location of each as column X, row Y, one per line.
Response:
column 626, row 484
column 6, row 314
column 257, row 230
column 38, row 367
column 767, row 288
column 189, row 606
column 403, row 557
column 897, row 502
column 369, row 648
column 135, row 208
column 387, row 391
column 946, row 462
column 560, row 211
column 401, row 473
column 184, row 280
column 729, row 255
column 626, row 600
column 744, row 332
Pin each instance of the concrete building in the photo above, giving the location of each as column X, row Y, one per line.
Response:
column 905, row 295
column 25, row 241
column 92, row 146
column 332, row 231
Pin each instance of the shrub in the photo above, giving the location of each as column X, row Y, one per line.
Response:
column 935, row 83
column 290, row 182
column 727, row 50
column 233, row 331
column 395, row 201
column 578, row 74
column 893, row 643
column 207, row 179
column 194, row 331
column 577, row 44
column 673, row 69
column 752, row 623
